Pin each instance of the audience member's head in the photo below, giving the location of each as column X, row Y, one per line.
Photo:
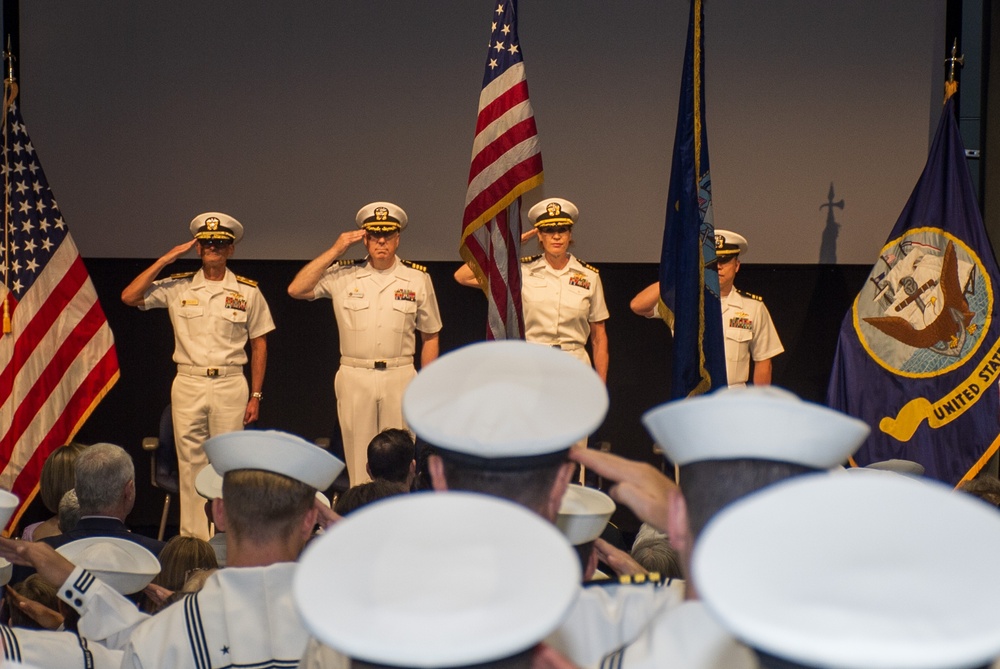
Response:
column 985, row 486
column 841, row 571
column 69, row 511
column 422, row 477
column 656, row 555
column 105, row 481
column 59, row 475
column 496, row 426
column 37, row 590
column 269, row 486
column 451, row 616
column 364, row 494
column 179, row 557
column 391, row 456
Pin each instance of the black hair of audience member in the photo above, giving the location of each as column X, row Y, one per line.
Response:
column 363, row 494
column 37, row 590
column 422, row 479
column 520, row 661
column 530, row 488
column 711, row 485
column 656, row 554
column 390, row 455
column 985, row 486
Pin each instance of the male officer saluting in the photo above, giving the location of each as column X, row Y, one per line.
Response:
column 214, row 313
column 746, row 322
column 379, row 302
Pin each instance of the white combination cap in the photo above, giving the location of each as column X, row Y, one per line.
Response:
column 124, row 565
column 500, row 401
column 381, row 217
column 764, row 423
column 584, row 513
column 553, row 212
column 274, row 451
column 729, row 243
column 853, row 572
column 216, row 225
column 483, row 579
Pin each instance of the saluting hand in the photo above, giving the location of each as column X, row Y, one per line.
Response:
column 179, row 250
column 525, row 236
column 346, row 240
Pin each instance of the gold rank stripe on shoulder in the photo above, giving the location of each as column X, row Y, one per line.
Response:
column 527, row 259
column 183, row 275
column 653, row 578
column 348, row 263
column 590, row 267
column 413, row 265
column 750, row 295
column 243, row 279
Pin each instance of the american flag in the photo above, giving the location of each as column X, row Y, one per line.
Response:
column 57, row 353
column 506, row 163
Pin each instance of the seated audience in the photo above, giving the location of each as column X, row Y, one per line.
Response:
column 57, row 477
column 178, row 559
column 391, row 457
column 364, row 494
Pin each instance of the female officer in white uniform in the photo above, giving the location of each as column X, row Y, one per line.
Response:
column 562, row 297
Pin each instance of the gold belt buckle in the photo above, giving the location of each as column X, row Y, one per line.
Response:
column 381, row 364
column 212, row 371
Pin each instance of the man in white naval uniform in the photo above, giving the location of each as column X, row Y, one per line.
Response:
column 214, row 313
column 380, row 303
column 245, row 614
column 780, row 437
column 746, row 323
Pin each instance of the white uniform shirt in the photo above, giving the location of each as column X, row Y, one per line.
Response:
column 243, row 616
column 44, row 649
column 606, row 618
column 212, row 319
column 684, row 636
column 749, row 333
column 560, row 305
column 378, row 312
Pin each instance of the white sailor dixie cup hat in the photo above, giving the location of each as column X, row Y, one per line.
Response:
column 583, row 514
column 216, row 225
column 729, row 243
column 773, row 423
column 553, row 212
column 381, row 217
column 856, row 572
column 124, row 565
column 491, row 404
column 276, row 452
column 485, row 579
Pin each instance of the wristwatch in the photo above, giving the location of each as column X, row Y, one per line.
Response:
column 257, row 396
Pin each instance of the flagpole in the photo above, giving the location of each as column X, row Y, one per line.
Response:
column 9, row 93
column 950, row 85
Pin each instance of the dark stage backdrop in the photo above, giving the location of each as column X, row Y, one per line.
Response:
column 807, row 303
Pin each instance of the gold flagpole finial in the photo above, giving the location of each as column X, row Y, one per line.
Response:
column 950, row 85
column 8, row 57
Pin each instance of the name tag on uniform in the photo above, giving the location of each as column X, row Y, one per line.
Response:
column 189, row 303
column 356, row 292
column 236, row 301
column 408, row 295
column 580, row 281
column 741, row 321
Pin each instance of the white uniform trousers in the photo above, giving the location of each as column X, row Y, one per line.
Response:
column 368, row 401
column 202, row 407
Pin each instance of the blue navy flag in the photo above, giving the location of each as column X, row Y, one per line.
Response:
column 919, row 351
column 689, row 282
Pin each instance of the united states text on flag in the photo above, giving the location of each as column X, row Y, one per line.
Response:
column 689, row 284
column 57, row 357
column 506, row 163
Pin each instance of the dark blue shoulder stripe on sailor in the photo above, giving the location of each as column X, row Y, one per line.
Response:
column 11, row 647
column 196, row 633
